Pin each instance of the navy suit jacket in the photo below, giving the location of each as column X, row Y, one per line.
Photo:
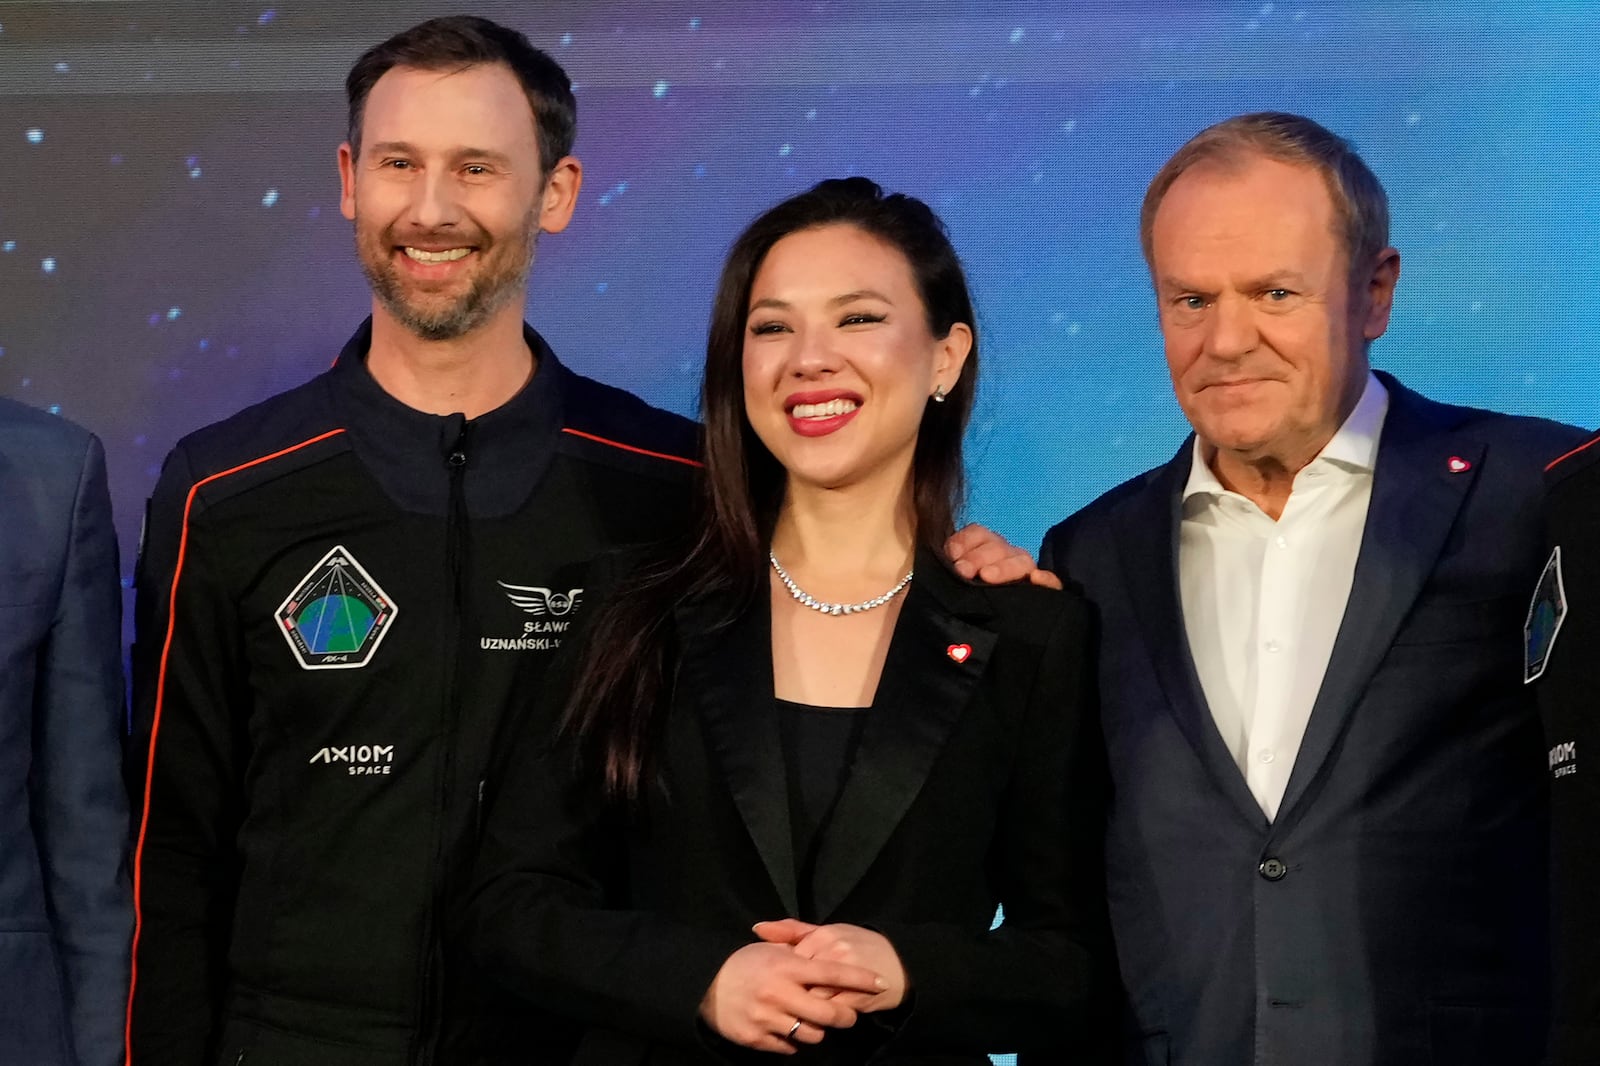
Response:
column 66, row 913
column 1395, row 912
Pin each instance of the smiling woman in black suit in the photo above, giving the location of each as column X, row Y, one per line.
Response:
column 802, row 761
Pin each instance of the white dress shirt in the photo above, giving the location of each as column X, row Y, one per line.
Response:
column 1262, row 600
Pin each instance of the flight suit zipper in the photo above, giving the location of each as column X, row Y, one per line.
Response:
column 458, row 432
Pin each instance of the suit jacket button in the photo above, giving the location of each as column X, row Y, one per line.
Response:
column 1274, row 869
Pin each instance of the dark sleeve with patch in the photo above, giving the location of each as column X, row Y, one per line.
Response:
column 1563, row 654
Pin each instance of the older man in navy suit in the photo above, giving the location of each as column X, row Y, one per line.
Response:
column 66, row 913
column 1328, row 839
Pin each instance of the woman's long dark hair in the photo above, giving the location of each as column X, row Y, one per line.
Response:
column 621, row 690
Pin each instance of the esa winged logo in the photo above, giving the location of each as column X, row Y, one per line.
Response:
column 537, row 600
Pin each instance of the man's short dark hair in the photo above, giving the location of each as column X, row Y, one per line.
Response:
column 461, row 41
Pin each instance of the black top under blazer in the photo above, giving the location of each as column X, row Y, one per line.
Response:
column 976, row 782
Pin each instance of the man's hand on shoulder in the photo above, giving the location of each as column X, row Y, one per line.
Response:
column 983, row 555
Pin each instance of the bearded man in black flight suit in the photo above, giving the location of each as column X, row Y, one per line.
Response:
column 346, row 589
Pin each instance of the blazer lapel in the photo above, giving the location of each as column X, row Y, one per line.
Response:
column 936, row 658
column 1149, row 527
column 727, row 674
column 1417, row 490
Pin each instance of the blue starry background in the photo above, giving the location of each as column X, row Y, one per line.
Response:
column 171, row 248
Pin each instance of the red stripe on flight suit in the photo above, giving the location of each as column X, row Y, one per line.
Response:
column 1556, row 462
column 631, row 448
column 155, row 723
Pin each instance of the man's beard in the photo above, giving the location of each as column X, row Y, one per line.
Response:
column 503, row 276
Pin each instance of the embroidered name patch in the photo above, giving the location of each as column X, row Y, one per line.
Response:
column 337, row 616
column 1545, row 615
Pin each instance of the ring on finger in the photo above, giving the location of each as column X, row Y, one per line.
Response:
column 793, row 1029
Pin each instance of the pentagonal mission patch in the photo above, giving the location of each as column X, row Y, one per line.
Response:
column 337, row 616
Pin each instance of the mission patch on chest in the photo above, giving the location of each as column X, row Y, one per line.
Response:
column 337, row 616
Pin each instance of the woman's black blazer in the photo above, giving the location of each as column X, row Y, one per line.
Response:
column 979, row 780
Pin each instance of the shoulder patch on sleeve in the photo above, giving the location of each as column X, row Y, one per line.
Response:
column 1545, row 615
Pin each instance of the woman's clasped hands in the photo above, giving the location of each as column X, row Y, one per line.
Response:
column 799, row 981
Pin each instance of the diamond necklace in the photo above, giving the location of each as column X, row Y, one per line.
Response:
column 808, row 600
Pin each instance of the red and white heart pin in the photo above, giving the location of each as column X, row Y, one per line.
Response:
column 1458, row 465
column 959, row 652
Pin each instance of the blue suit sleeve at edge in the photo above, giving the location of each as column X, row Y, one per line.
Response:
column 82, row 813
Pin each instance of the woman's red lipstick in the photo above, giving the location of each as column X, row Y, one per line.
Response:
column 811, row 424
